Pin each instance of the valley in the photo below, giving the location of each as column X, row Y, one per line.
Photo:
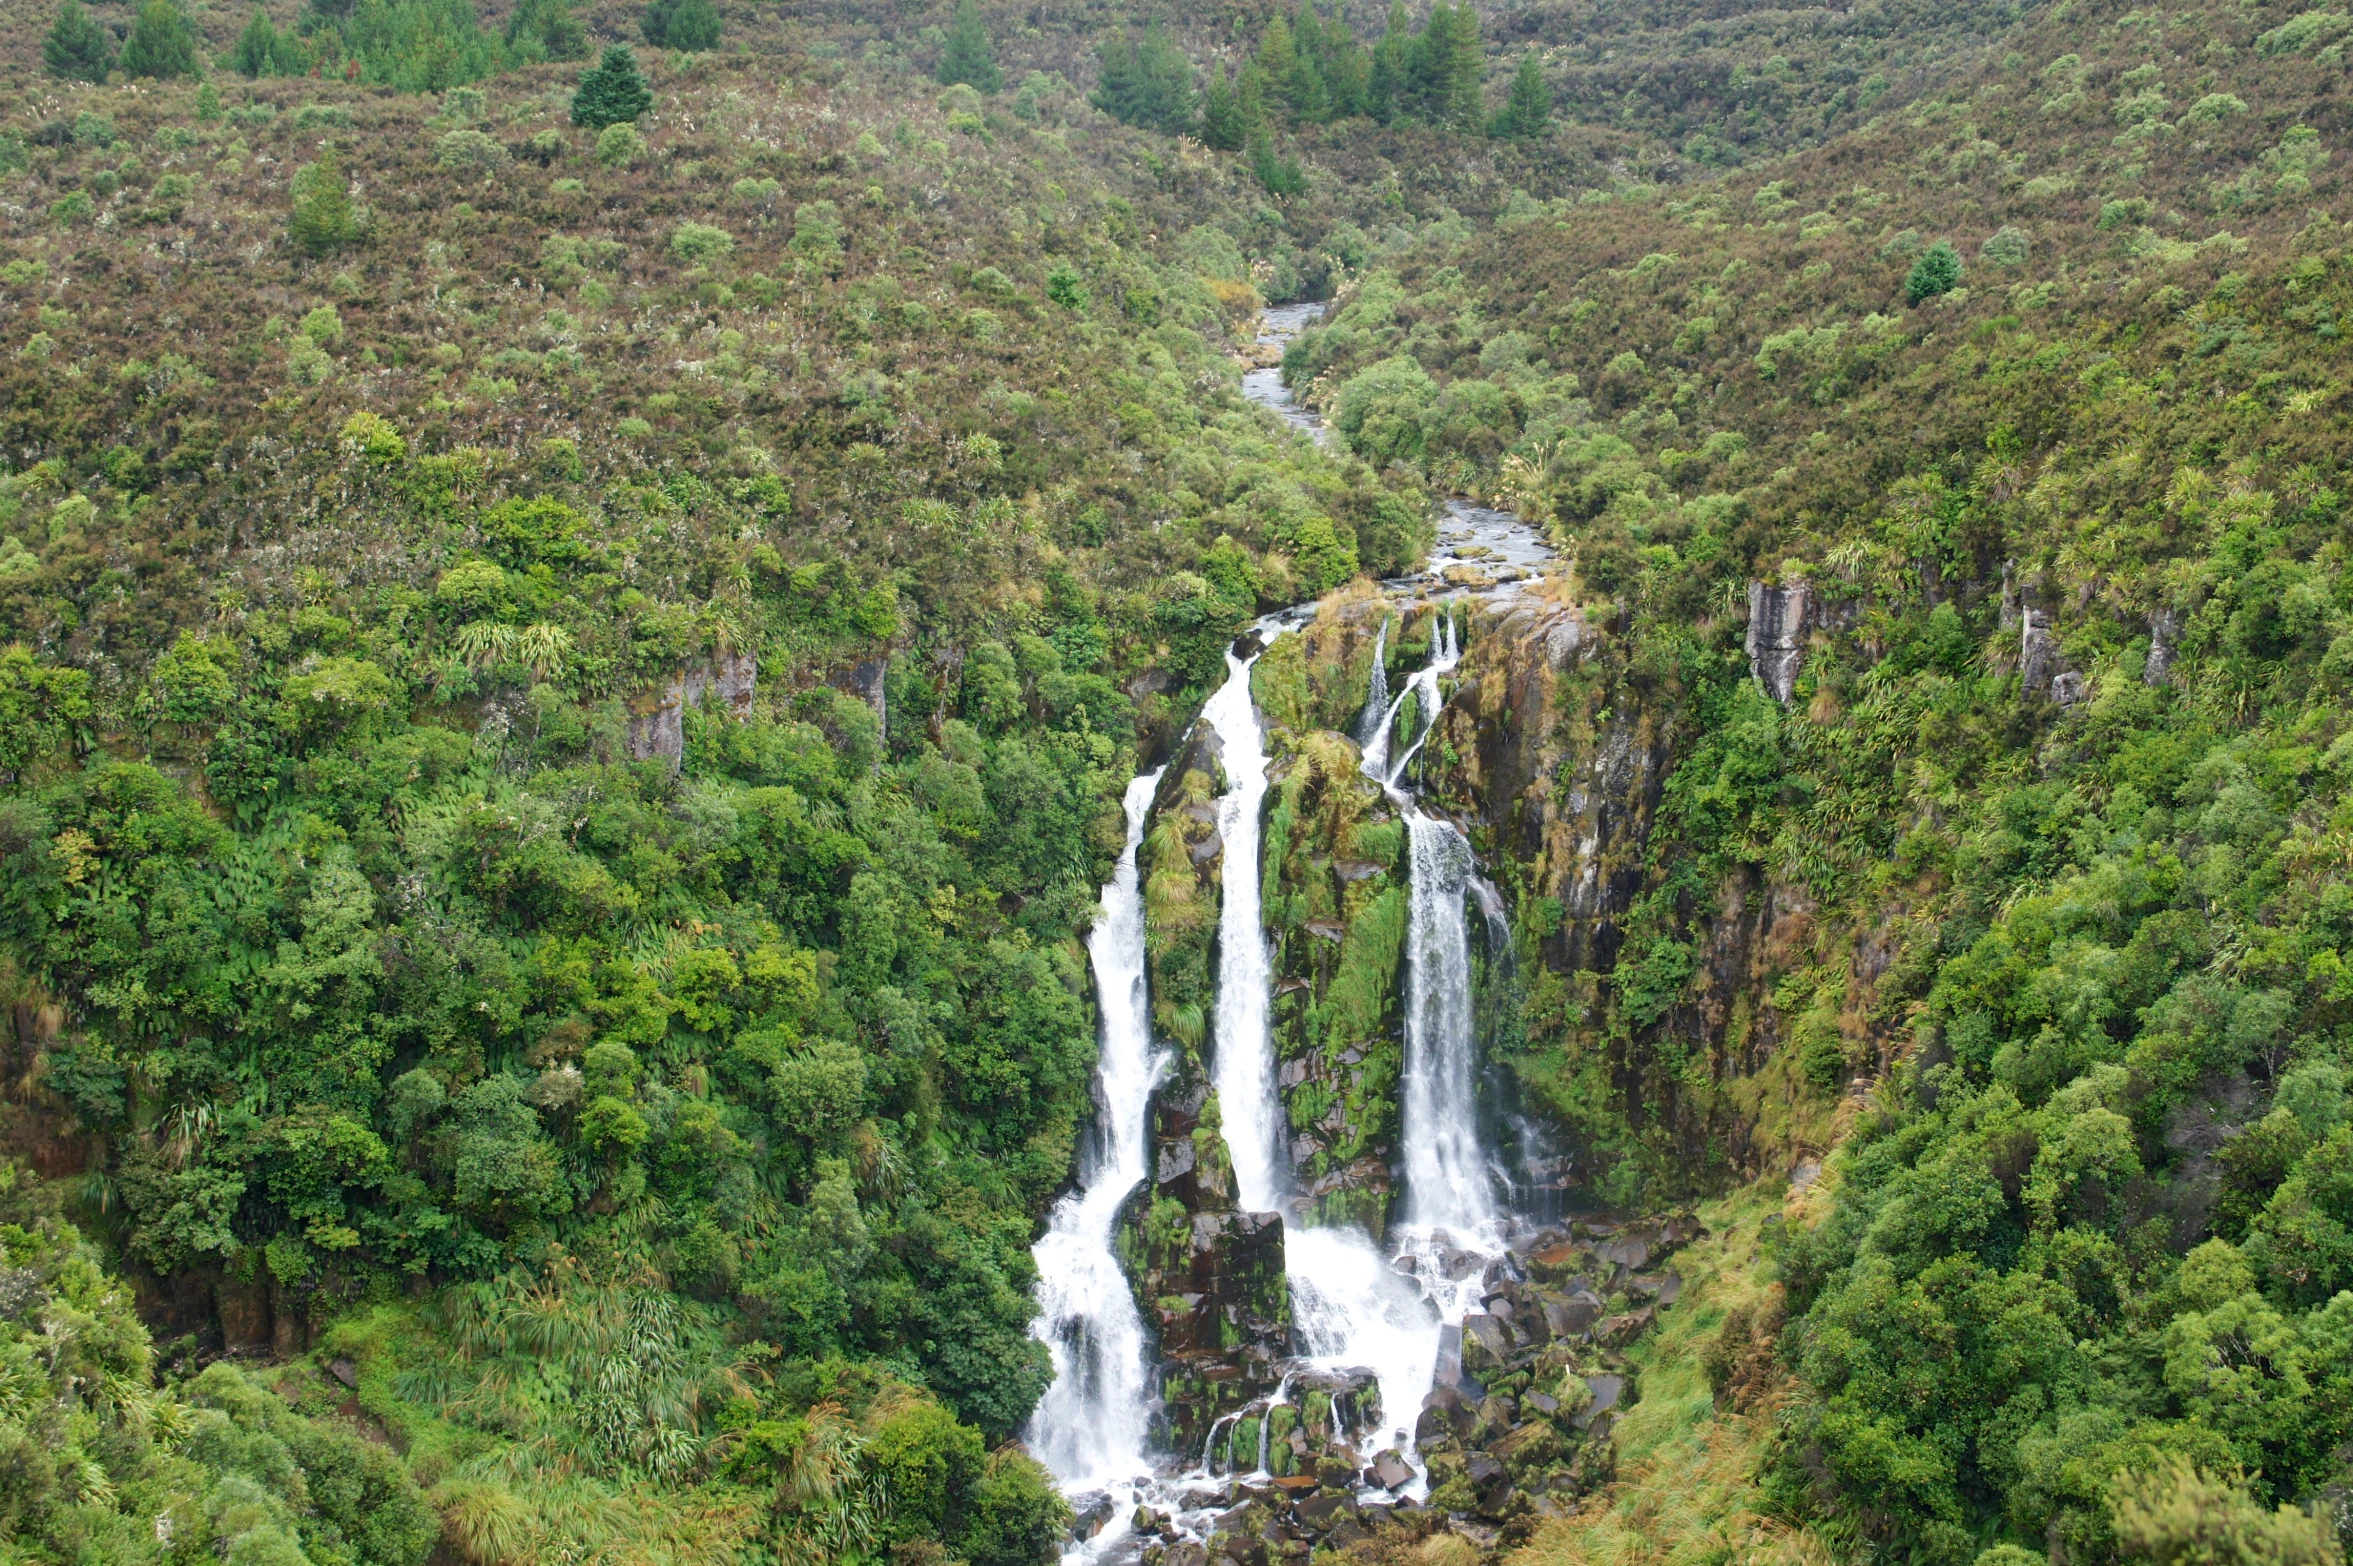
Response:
column 1234, row 787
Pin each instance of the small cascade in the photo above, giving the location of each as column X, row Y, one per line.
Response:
column 1243, row 1068
column 1376, row 703
column 1090, row 1427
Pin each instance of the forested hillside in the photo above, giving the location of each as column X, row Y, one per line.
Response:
column 579, row 588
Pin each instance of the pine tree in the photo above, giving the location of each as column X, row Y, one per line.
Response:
column 611, row 92
column 322, row 220
column 1279, row 176
column 1304, row 88
column 689, row 25
column 1938, row 271
column 1147, row 83
column 1528, row 111
column 1222, row 124
column 1464, row 102
column 77, row 49
column 257, row 47
column 1278, row 57
column 162, row 44
column 546, row 29
column 1385, row 82
column 966, row 58
column 1427, row 66
column 1346, row 69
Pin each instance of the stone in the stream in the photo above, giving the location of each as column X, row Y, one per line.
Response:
column 1391, row 1471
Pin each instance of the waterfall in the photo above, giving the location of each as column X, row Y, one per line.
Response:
column 1090, row 1426
column 1446, row 1178
column 1243, row 1071
column 1380, row 743
column 1376, row 701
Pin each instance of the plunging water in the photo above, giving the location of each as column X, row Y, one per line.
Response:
column 1090, row 1426
column 1243, row 1067
column 1376, row 705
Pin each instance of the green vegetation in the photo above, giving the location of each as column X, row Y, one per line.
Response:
column 687, row 25
column 966, row 59
column 613, row 93
column 568, row 657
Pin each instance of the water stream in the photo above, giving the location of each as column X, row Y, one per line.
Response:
column 1355, row 1305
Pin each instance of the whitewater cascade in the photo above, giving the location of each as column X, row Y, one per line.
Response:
column 1447, row 1186
column 1354, row 1305
column 1091, row 1426
column 1376, row 705
column 1243, row 1066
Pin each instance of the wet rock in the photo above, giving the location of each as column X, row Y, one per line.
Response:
column 1186, row 1552
column 1446, row 1415
column 1776, row 636
column 1090, row 1515
column 1391, row 1471
column 1541, row 1403
column 2164, row 637
column 1449, row 1371
column 344, row 1371
column 1345, row 1533
column 1176, row 1160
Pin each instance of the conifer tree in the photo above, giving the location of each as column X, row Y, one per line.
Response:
column 1938, row 271
column 690, row 25
column 1385, row 82
column 611, row 92
column 1278, row 56
column 322, row 220
column 1304, row 88
column 1223, row 125
column 1346, row 68
column 966, row 58
column 546, row 29
column 1528, row 111
column 1147, row 82
column 77, row 48
column 1428, row 66
column 1462, row 102
column 162, row 44
column 256, row 50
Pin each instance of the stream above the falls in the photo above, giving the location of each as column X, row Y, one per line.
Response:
column 1383, row 1312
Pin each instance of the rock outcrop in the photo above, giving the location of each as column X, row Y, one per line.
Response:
column 1776, row 635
